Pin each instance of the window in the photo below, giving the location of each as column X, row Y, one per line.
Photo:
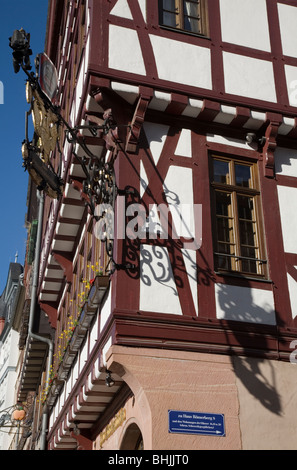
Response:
column 238, row 245
column 190, row 16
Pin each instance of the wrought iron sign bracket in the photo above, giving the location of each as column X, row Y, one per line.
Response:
column 99, row 185
column 126, row 266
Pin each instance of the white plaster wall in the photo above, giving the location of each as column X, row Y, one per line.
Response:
column 288, row 27
column 194, row 108
column 182, row 62
column 126, row 91
column 122, row 9
column 158, row 292
column 249, row 77
column 160, row 100
column 124, row 50
column 178, row 189
column 226, row 114
column 156, row 135
column 94, row 333
column 291, row 79
column 285, row 161
column 105, row 310
column 14, row 352
column 292, row 285
column 184, row 145
column 244, row 304
column 83, row 356
column 245, row 23
column 288, row 209
column 143, row 180
column 189, row 257
column 221, row 139
column 80, row 84
column 142, row 4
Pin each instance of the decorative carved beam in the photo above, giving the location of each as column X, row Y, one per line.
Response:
column 270, row 144
column 50, row 309
column 137, row 122
column 78, row 185
column 83, row 443
column 65, row 261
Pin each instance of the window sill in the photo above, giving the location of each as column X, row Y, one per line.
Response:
column 183, row 31
column 242, row 277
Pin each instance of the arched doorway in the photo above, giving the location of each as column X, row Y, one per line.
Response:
column 132, row 439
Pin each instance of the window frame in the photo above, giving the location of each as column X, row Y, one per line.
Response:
column 203, row 23
column 254, row 192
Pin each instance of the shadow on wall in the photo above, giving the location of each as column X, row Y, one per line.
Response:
column 172, row 261
column 242, row 311
column 262, row 386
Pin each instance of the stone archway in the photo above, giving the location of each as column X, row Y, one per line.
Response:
column 132, row 439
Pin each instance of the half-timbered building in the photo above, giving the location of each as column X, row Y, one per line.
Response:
column 171, row 282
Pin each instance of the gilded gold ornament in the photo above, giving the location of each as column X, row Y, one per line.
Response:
column 45, row 125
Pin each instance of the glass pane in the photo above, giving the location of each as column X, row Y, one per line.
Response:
column 245, row 207
column 247, row 233
column 223, row 204
column 169, row 5
column 224, row 262
column 191, row 8
column 243, row 175
column 191, row 16
column 225, row 230
column 249, row 266
column 170, row 19
column 221, row 172
column 191, row 24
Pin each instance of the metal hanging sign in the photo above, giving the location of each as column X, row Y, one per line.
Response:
column 48, row 77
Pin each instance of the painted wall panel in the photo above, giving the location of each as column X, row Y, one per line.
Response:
column 124, row 50
column 183, row 63
column 288, row 210
column 286, row 161
column 245, row 23
column 288, row 26
column 158, row 292
column 249, row 77
column 244, row 304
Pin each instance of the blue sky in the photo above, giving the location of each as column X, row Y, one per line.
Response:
column 30, row 15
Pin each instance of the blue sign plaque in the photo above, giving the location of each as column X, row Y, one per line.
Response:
column 192, row 422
